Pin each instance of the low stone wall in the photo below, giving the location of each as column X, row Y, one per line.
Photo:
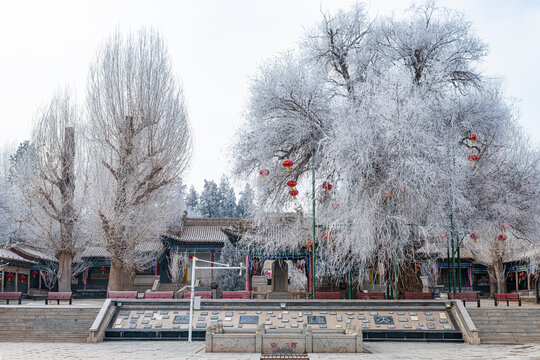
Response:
column 284, row 342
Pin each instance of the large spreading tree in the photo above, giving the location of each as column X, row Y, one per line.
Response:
column 141, row 145
column 383, row 110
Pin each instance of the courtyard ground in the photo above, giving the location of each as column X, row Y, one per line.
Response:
column 183, row 351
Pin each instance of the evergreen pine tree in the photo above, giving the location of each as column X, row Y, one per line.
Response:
column 192, row 200
column 227, row 207
column 230, row 280
column 209, row 201
column 245, row 203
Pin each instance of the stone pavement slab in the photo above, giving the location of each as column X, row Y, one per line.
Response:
column 183, row 351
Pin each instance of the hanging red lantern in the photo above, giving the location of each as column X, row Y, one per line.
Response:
column 22, row 277
column 473, row 158
column 291, row 184
column 264, row 173
column 388, row 194
column 309, row 244
column 474, row 237
column 102, row 269
column 473, row 137
column 417, row 267
column 326, row 187
column 335, row 206
column 9, row 276
column 191, row 256
column 293, row 193
column 501, row 238
column 505, row 227
column 511, row 275
column 288, row 163
column 487, row 276
column 443, row 236
column 326, row 237
column 34, row 273
column 522, row 275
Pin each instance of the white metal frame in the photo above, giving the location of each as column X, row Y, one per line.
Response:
column 194, row 267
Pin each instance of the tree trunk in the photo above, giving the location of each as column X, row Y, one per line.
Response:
column 65, row 259
column 115, row 275
column 492, row 281
column 128, row 280
column 501, row 281
column 408, row 279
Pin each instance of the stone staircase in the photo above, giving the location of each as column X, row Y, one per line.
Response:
column 507, row 325
column 53, row 323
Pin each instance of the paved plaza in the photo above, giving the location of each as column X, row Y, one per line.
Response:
column 184, row 351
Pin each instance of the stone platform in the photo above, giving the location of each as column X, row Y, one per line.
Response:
column 419, row 320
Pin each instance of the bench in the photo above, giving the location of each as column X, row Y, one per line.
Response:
column 203, row 294
column 67, row 295
column 418, row 296
column 235, row 295
column 329, row 295
column 507, row 298
column 159, row 295
column 11, row 295
column 121, row 294
column 370, row 296
column 466, row 296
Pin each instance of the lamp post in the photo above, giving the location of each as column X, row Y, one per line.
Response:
column 313, row 221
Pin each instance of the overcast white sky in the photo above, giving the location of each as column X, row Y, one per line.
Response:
column 215, row 47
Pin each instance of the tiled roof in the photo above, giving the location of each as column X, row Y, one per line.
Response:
column 32, row 252
column 8, row 255
column 199, row 234
column 95, row 251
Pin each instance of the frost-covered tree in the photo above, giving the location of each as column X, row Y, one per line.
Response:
column 228, row 207
column 210, row 200
column 49, row 173
column 246, row 202
column 141, row 146
column 382, row 110
column 192, row 200
column 230, row 280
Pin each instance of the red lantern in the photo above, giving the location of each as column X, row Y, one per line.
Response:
column 309, row 244
column 474, row 237
column 9, row 276
column 291, row 184
column 288, row 163
column 326, row 187
column 417, row 267
column 501, row 238
column 335, row 206
column 326, row 236
column 102, row 270
column 505, row 227
column 522, row 275
column 443, row 236
column 293, row 193
column 191, row 256
column 388, row 194
column 511, row 275
column 473, row 137
column 473, row 158
column 264, row 173
column 22, row 277
column 34, row 273
column 487, row 276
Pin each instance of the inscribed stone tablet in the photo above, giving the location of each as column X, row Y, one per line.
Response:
column 373, row 313
column 204, row 313
column 443, row 321
column 430, row 325
column 447, row 327
column 181, row 319
column 403, row 319
column 253, row 319
column 294, row 325
column 316, row 319
column 322, row 326
column 163, row 312
column 124, row 312
column 201, row 325
column 414, row 318
column 407, row 326
column 386, row 320
column 229, row 314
